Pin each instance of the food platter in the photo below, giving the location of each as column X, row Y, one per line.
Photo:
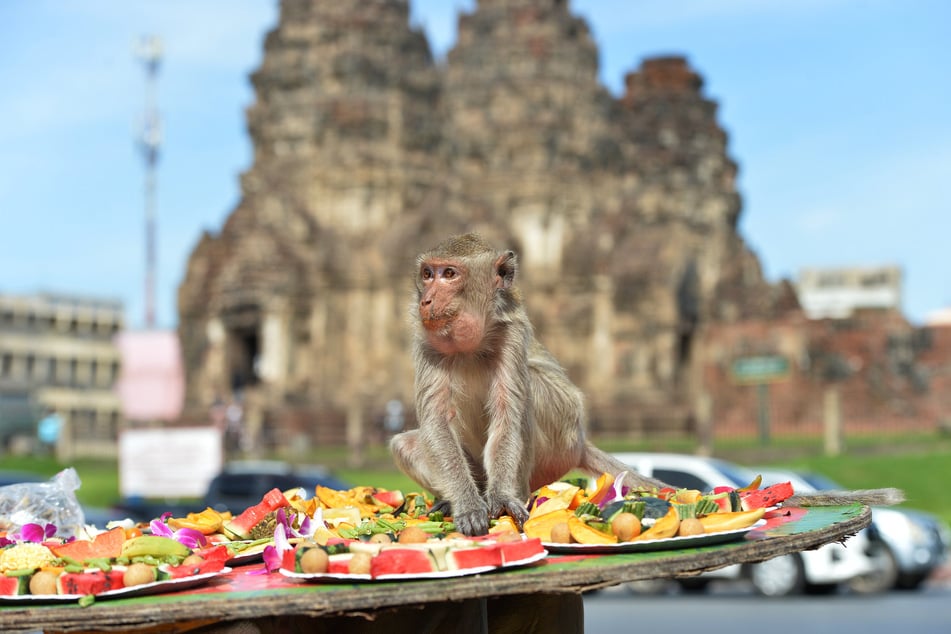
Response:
column 442, row 574
column 155, row 587
column 251, row 555
column 669, row 543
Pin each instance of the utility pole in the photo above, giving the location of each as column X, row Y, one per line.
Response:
column 149, row 51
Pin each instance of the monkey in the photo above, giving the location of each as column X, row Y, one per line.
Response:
column 497, row 415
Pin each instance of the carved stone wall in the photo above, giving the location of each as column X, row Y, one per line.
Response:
column 623, row 211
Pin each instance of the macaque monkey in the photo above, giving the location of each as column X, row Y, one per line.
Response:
column 498, row 417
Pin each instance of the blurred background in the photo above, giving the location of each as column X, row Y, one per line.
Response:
column 729, row 217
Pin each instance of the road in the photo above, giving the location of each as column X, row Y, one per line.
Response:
column 724, row 608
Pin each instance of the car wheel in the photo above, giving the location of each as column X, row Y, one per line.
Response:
column 883, row 575
column 693, row 585
column 778, row 577
column 910, row 581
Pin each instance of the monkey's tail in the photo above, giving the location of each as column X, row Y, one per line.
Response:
column 872, row 497
column 595, row 462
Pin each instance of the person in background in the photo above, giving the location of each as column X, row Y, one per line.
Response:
column 48, row 431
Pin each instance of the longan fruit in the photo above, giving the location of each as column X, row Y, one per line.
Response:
column 137, row 574
column 314, row 560
column 43, row 582
column 690, row 526
column 381, row 538
column 360, row 564
column 413, row 535
column 626, row 526
column 193, row 560
column 560, row 533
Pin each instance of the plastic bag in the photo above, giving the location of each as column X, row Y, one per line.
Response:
column 51, row 502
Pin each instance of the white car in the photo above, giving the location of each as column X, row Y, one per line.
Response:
column 819, row 570
column 906, row 546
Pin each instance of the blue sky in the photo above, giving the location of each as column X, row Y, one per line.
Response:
column 837, row 113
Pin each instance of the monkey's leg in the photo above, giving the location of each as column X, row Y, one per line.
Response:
column 508, row 456
column 410, row 459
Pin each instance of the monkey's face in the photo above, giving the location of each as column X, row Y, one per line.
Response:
column 449, row 327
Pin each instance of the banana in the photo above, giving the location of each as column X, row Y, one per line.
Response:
column 718, row 522
column 154, row 545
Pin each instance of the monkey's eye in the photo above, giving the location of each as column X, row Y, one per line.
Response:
column 427, row 273
column 449, row 273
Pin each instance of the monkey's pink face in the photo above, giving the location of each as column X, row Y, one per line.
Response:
column 450, row 328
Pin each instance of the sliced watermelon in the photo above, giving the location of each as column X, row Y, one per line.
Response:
column 106, row 545
column 727, row 498
column 90, row 582
column 475, row 557
column 521, row 549
column 189, row 570
column 13, row 586
column 290, row 557
column 339, row 564
column 766, row 497
column 390, row 501
column 240, row 526
column 218, row 552
column 400, row 561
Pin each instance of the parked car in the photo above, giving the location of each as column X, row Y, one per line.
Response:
column 243, row 484
column 821, row 570
column 240, row 484
column 906, row 545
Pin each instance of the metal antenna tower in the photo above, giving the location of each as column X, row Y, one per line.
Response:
column 149, row 51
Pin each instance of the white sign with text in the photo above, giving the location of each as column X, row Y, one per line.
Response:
column 168, row 462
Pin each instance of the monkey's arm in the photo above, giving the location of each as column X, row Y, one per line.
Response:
column 446, row 462
column 509, row 450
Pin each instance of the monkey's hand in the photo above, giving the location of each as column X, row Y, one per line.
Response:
column 511, row 506
column 471, row 519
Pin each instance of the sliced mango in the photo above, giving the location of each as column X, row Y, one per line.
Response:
column 584, row 534
column 553, row 497
column 540, row 525
column 664, row 527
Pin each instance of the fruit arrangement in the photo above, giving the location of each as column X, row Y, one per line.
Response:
column 365, row 532
column 34, row 562
column 567, row 513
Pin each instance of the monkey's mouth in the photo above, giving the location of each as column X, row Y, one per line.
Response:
column 433, row 320
column 436, row 322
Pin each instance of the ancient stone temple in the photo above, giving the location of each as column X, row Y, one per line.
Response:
column 366, row 151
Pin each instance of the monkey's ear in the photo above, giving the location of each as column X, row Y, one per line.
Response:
column 505, row 268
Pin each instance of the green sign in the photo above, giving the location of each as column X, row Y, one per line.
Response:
column 759, row 369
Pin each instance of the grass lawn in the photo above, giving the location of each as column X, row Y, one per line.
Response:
column 921, row 466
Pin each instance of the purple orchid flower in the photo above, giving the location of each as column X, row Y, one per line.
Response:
column 34, row 532
column 187, row 536
column 618, row 490
column 274, row 555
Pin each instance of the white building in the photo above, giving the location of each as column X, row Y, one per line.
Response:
column 837, row 293
column 57, row 352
